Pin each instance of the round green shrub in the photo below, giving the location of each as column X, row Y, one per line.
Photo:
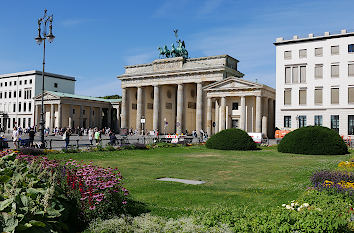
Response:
column 231, row 139
column 313, row 140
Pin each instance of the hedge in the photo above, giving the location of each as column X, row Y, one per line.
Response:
column 313, row 140
column 231, row 139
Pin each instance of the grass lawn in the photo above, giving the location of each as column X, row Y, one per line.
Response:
column 256, row 179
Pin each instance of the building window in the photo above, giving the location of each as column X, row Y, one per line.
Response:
column 83, row 112
column 30, row 81
column 351, row 48
column 20, row 82
column 168, row 106
column 14, row 108
column 287, row 74
column 25, row 82
column 319, row 71
column 302, row 53
column 334, row 95
column 134, row 106
column 295, row 74
column 287, row 97
column 318, row 96
column 192, row 105
column 24, row 106
column 55, row 85
column 19, row 93
column 351, row 125
column 302, row 121
column 14, row 83
column 5, row 95
column 29, row 122
column 335, row 71
column 351, row 70
column 235, row 106
column 73, row 111
column 302, row 97
column 287, row 121
column 5, row 84
column 351, row 95
column 0, row 84
column 318, row 120
column 19, row 122
column 150, row 106
column 10, row 84
column 318, row 52
column 19, row 106
column 14, row 94
column 0, row 95
column 24, row 122
column 287, row 55
column 335, row 123
column 9, row 94
column 29, row 106
column 302, row 74
column 335, row 50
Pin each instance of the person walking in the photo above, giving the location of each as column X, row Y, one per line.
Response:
column 90, row 135
column 15, row 137
column 66, row 137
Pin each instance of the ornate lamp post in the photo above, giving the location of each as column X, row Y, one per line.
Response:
column 42, row 36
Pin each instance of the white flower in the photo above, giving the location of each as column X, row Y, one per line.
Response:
column 292, row 204
column 283, row 205
column 288, row 207
column 298, row 209
column 306, row 205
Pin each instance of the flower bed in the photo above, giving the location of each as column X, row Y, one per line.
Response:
column 51, row 188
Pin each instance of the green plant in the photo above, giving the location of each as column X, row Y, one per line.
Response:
column 29, row 198
column 231, row 139
column 71, row 150
column 313, row 140
column 149, row 223
column 110, row 148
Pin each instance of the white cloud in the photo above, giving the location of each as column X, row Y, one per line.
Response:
column 140, row 58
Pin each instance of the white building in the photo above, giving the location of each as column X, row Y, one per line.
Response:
column 17, row 91
column 315, row 81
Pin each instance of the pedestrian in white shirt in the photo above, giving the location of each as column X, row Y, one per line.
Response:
column 15, row 137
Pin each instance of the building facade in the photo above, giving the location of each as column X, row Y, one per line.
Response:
column 178, row 95
column 64, row 110
column 17, row 91
column 315, row 81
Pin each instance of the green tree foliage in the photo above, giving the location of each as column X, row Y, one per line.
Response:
column 231, row 139
column 111, row 97
column 313, row 140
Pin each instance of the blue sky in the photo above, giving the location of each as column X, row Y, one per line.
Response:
column 95, row 39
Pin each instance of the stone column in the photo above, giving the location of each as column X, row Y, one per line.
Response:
column 226, row 117
column 222, row 113
column 155, row 120
column 70, row 116
column 99, row 117
column 37, row 116
column 59, row 116
column 243, row 114
column 124, row 109
column 199, row 114
column 179, row 108
column 52, row 115
column 118, row 119
column 209, row 119
column 80, row 117
column 258, row 114
column 139, row 107
column 90, row 117
column 216, row 129
column 271, row 117
column 265, row 117
column 109, row 117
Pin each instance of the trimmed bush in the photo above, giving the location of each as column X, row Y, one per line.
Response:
column 231, row 139
column 313, row 140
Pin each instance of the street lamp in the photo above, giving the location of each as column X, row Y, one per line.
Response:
column 42, row 36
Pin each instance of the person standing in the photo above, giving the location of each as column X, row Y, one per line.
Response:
column 66, row 137
column 15, row 137
column 97, row 137
column 90, row 135
column 31, row 137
